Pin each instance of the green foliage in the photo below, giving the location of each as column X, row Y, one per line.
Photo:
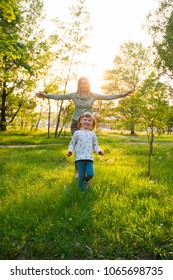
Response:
column 123, row 216
column 20, row 45
column 128, row 111
column 130, row 67
column 153, row 107
column 7, row 10
column 160, row 26
column 154, row 103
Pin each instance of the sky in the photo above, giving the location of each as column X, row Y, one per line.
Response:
column 114, row 22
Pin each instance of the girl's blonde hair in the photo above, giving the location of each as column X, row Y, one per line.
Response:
column 79, row 82
column 88, row 115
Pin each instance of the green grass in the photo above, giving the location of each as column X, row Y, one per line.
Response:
column 123, row 216
column 32, row 138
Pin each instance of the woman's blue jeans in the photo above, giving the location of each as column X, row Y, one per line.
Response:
column 85, row 172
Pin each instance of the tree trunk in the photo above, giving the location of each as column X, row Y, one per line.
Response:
column 39, row 118
column 149, row 163
column 132, row 129
column 58, row 120
column 150, row 140
column 3, row 125
column 63, row 125
column 49, row 113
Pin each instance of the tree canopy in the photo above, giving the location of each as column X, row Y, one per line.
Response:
column 160, row 26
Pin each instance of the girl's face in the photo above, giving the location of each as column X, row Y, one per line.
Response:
column 86, row 123
column 84, row 87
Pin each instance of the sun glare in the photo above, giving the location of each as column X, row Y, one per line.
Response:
column 114, row 22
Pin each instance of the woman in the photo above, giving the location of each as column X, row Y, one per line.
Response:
column 83, row 99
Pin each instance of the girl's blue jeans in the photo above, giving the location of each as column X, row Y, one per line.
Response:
column 85, row 172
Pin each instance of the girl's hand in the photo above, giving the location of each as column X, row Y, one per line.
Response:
column 101, row 153
column 40, row 94
column 69, row 153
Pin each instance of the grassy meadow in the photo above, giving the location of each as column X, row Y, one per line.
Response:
column 124, row 215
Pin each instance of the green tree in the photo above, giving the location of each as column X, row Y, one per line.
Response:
column 72, row 37
column 160, row 26
column 20, row 45
column 26, row 116
column 153, row 108
column 128, row 112
column 45, row 74
column 130, row 67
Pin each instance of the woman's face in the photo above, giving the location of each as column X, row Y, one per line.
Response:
column 84, row 87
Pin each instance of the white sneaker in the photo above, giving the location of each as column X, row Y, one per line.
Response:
column 87, row 184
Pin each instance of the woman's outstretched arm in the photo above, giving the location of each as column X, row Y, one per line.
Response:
column 112, row 96
column 54, row 96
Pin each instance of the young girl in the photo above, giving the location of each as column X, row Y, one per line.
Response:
column 84, row 141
